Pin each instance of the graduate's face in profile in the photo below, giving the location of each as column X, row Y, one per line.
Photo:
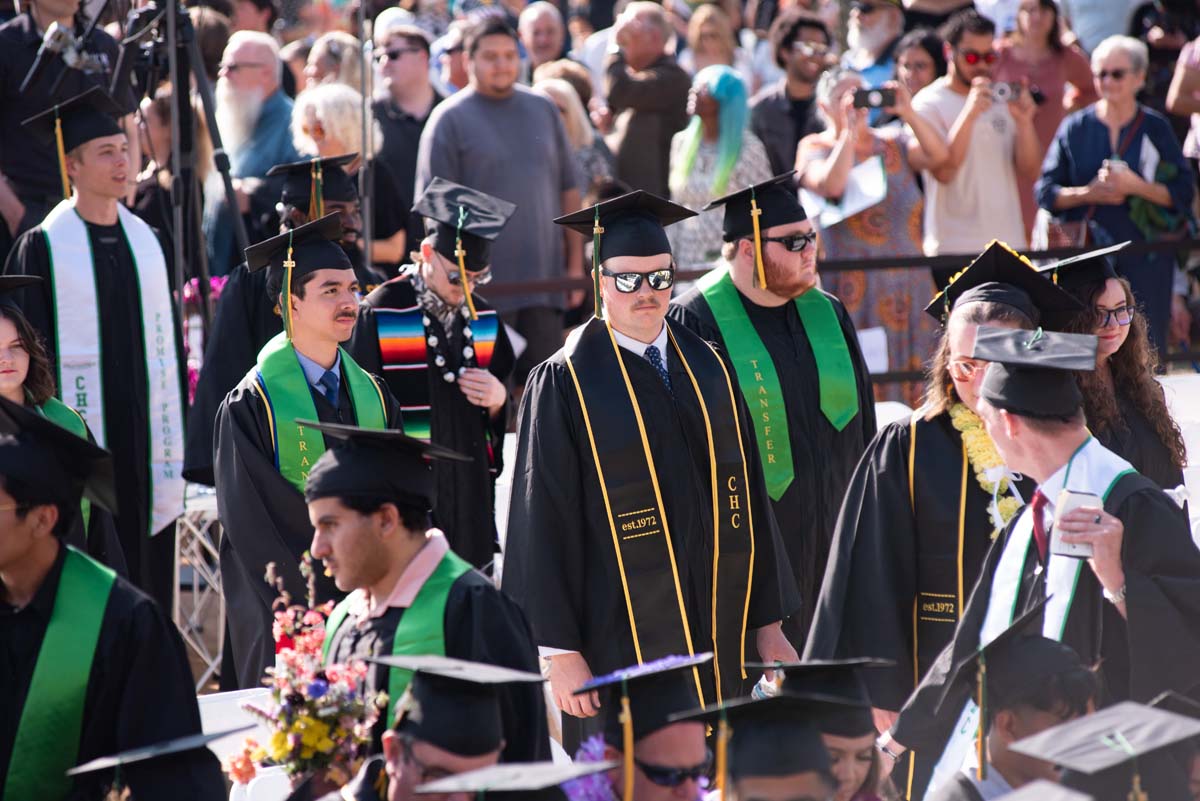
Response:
column 637, row 314
column 329, row 307
column 789, row 273
column 350, row 543
column 808, row 786
column 411, row 764
column 999, row 428
column 14, row 361
column 101, row 166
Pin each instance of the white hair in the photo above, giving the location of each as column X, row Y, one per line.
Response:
column 345, row 51
column 535, row 10
column 338, row 108
column 259, row 39
column 1139, row 54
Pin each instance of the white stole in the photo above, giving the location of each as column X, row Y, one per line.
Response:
column 80, row 363
column 1092, row 468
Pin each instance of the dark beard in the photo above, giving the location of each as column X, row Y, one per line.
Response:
column 785, row 281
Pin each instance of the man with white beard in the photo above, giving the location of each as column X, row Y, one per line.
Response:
column 875, row 27
column 254, row 118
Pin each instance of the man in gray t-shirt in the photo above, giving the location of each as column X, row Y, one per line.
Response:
column 501, row 138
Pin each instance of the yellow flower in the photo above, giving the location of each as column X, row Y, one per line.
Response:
column 278, row 746
column 983, row 456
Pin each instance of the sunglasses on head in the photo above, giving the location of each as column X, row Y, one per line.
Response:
column 973, row 57
column 628, row 283
column 796, row 243
column 1116, row 75
column 673, row 777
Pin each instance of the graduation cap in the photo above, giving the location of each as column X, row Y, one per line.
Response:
column 13, row 283
column 630, row 225
column 775, row 736
column 46, row 456
column 650, row 694
column 313, row 181
column 1032, row 372
column 1042, row 790
column 1076, row 273
column 463, row 223
column 1113, row 737
column 536, row 781
column 839, row 679
column 1001, row 275
column 179, row 745
column 76, row 121
column 298, row 252
column 452, row 703
column 1178, row 703
column 764, row 205
column 375, row 463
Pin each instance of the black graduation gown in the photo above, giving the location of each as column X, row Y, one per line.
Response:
column 1137, row 442
column 265, row 519
column 885, row 553
column 1157, row 649
column 560, row 565
column 465, row 509
column 482, row 624
column 140, row 692
column 823, row 457
column 245, row 320
column 149, row 559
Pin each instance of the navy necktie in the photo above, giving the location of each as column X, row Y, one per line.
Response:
column 654, row 356
column 329, row 384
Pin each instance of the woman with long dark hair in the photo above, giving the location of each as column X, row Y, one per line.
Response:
column 1124, row 404
column 26, row 378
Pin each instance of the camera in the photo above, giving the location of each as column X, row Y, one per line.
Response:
column 1007, row 92
column 874, row 98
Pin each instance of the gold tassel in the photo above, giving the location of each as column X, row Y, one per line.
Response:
column 1137, row 793
column 755, row 213
column 597, row 229
column 980, row 741
column 288, row 266
column 316, row 198
column 462, row 276
column 62, row 157
column 722, row 766
column 627, row 745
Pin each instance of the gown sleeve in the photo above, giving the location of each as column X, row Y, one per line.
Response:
column 484, row 625
column 874, row 545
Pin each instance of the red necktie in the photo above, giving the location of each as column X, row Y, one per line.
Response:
column 1039, row 525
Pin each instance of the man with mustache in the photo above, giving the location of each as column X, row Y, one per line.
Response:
column 262, row 455
column 797, row 361
column 254, row 118
column 640, row 526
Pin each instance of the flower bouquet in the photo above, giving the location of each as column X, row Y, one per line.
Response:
column 319, row 717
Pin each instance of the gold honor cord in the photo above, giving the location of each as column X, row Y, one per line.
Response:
column 962, row 523
column 62, row 155
column 596, row 231
column 980, row 740
column 316, row 193
column 912, row 503
column 288, row 266
column 722, row 766
column 755, row 213
column 461, row 253
column 627, row 742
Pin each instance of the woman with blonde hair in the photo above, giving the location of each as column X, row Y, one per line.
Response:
column 592, row 156
column 326, row 123
column 335, row 57
column 711, row 39
column 152, row 202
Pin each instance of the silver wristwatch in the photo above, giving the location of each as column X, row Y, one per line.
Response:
column 1117, row 597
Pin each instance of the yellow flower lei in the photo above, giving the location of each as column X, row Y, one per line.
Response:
column 982, row 454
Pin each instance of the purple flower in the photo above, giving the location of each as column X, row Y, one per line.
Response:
column 318, row 688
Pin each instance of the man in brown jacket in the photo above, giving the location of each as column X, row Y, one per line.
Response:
column 647, row 97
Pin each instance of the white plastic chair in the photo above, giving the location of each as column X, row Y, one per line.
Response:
column 224, row 711
column 271, row 784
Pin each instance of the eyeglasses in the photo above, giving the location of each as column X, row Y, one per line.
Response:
column 428, row 773
column 628, row 283
column 398, row 53
column 673, row 777
column 965, row 369
column 1122, row 314
column 1116, row 75
column 796, row 243
column 973, row 57
column 245, row 65
column 809, row 49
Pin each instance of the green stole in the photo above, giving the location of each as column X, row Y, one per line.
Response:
column 422, row 628
column 284, row 388
column 759, row 380
column 636, row 519
column 47, row 741
column 64, row 416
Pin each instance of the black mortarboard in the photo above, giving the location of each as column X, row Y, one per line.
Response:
column 534, row 781
column 12, row 283
column 764, row 205
column 766, row 737
column 1042, row 790
column 298, row 252
column 630, row 225
column 1032, row 372
column 452, row 703
column 1114, row 737
column 311, row 182
column 1001, row 275
column 836, row 678
column 179, row 745
column 51, row 459
column 375, row 463
column 1178, row 703
column 1078, row 272
column 76, row 121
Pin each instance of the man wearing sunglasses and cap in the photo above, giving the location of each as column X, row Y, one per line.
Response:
column 797, row 361
column 445, row 355
column 875, row 26
column 640, row 525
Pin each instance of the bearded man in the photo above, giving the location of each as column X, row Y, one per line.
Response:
column 254, row 118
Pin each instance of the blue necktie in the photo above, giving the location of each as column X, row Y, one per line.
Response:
column 330, row 383
column 654, row 356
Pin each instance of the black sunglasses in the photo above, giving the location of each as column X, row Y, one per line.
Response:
column 673, row 777
column 397, row 53
column 1116, row 75
column 796, row 243
column 628, row 283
